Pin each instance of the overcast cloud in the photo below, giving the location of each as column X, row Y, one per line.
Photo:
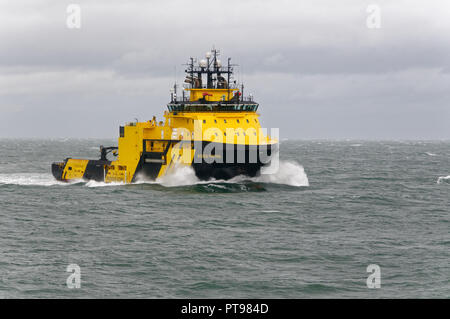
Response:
column 314, row 66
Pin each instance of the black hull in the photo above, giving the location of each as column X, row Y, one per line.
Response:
column 242, row 160
column 214, row 161
column 225, row 171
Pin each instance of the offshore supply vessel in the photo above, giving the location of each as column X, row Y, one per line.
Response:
column 212, row 127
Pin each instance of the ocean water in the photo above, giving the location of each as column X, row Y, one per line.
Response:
column 308, row 231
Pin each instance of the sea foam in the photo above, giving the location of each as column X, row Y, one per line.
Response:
column 93, row 183
column 283, row 172
column 29, row 179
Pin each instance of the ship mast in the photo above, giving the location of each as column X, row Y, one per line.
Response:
column 210, row 66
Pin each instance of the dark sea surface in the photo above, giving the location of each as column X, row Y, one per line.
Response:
column 295, row 234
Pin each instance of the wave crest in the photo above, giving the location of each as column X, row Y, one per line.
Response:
column 443, row 179
column 287, row 173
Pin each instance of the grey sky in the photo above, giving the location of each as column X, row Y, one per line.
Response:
column 314, row 66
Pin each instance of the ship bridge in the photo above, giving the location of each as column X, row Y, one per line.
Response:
column 210, row 87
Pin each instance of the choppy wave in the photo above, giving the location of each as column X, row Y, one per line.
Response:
column 430, row 154
column 180, row 176
column 443, row 179
column 288, row 173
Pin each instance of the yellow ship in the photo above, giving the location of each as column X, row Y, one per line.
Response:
column 212, row 127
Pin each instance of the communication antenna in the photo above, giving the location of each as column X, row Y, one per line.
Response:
column 242, row 78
